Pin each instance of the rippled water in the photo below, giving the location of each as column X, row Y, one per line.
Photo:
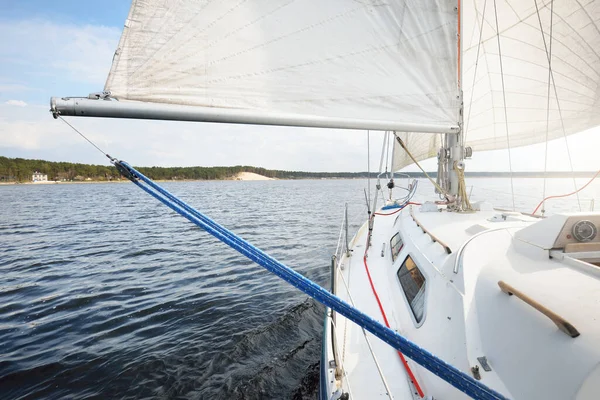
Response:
column 106, row 293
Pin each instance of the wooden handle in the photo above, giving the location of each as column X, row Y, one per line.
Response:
column 560, row 322
column 433, row 238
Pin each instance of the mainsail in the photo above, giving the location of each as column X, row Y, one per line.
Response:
column 534, row 78
column 359, row 59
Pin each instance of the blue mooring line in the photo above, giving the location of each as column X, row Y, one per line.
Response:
column 447, row 372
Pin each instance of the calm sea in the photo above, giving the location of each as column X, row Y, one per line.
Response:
column 105, row 293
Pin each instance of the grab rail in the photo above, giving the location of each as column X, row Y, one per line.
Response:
column 431, row 235
column 560, row 322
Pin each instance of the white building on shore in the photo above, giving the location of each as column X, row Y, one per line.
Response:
column 39, row 177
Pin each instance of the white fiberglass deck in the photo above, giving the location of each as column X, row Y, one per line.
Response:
column 465, row 314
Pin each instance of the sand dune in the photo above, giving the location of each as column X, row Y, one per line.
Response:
column 251, row 176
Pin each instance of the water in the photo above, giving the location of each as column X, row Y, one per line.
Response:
column 104, row 293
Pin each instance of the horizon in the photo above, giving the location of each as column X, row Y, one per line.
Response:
column 431, row 172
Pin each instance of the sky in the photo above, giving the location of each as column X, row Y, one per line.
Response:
column 66, row 48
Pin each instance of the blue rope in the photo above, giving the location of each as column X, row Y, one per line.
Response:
column 447, row 372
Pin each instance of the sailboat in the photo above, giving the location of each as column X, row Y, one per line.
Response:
column 509, row 301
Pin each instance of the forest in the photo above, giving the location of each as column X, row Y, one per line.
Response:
column 20, row 170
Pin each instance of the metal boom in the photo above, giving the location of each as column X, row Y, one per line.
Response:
column 87, row 107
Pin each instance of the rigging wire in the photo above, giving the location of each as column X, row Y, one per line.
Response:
column 512, row 187
column 83, row 136
column 387, row 154
column 551, row 73
column 549, row 55
column 369, row 170
column 474, row 75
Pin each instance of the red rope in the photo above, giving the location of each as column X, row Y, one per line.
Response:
column 566, row 195
column 400, row 209
column 402, row 358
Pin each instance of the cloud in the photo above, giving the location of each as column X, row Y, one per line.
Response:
column 13, row 88
column 41, row 55
column 19, row 103
column 31, row 132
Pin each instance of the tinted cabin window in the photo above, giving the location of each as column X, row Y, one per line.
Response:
column 413, row 285
column 396, row 245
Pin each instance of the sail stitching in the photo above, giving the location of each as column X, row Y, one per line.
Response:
column 592, row 22
column 187, row 24
column 328, row 59
column 277, row 39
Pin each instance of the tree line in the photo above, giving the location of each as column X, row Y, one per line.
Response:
column 20, row 170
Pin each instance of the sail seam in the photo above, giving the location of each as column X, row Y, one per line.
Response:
column 328, row 59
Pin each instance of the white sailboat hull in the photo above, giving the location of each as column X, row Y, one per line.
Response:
column 508, row 343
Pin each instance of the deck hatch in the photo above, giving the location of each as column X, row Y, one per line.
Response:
column 413, row 285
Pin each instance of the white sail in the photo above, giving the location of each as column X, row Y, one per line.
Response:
column 575, row 64
column 359, row 59
column 525, row 45
column 421, row 147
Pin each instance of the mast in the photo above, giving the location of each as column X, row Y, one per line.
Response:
column 452, row 151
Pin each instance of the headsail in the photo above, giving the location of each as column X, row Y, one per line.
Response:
column 421, row 147
column 359, row 59
column 528, row 41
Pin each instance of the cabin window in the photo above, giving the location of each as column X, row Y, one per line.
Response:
column 396, row 245
column 413, row 285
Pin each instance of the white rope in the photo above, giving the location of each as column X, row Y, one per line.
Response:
column 512, row 187
column 380, row 171
column 387, row 154
column 462, row 188
column 385, row 136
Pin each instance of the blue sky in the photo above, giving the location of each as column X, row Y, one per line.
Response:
column 66, row 48
column 105, row 12
column 38, row 59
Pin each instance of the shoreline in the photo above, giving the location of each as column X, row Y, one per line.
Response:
column 242, row 176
